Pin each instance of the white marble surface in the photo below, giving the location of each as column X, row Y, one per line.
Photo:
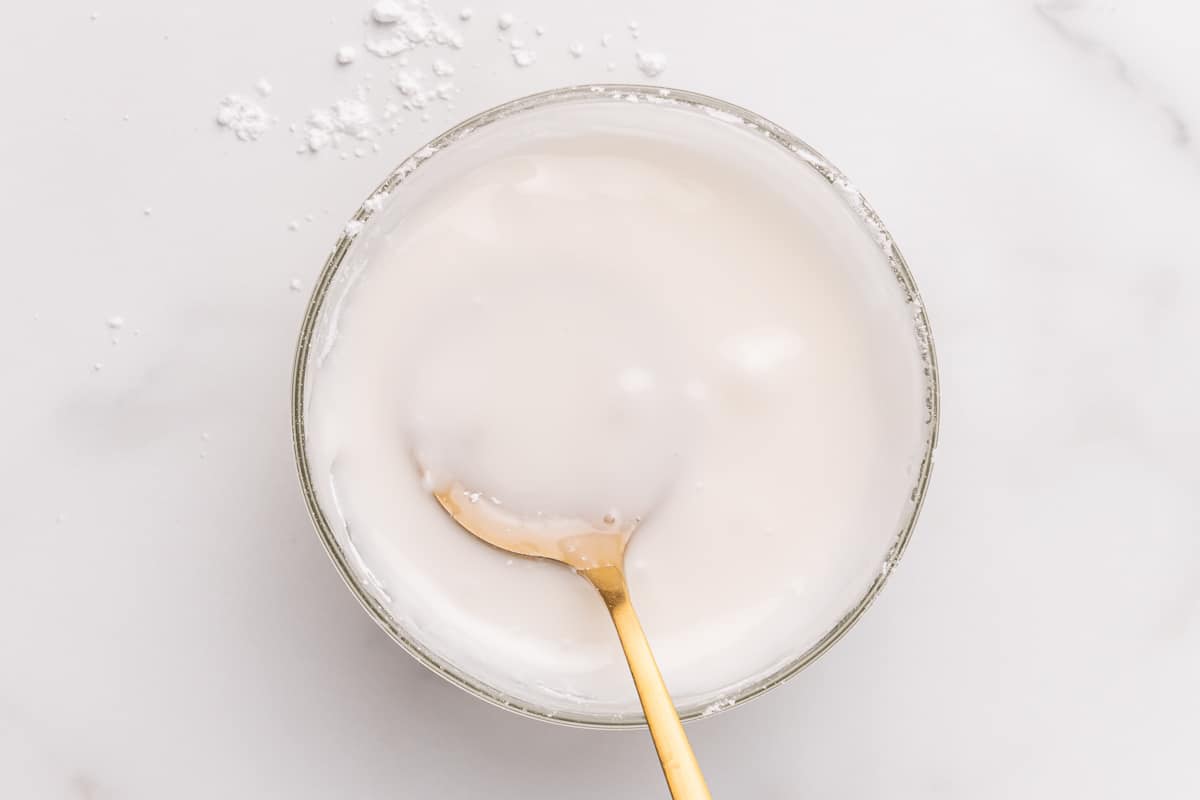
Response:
column 171, row 626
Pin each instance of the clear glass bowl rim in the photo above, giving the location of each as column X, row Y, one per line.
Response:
column 728, row 112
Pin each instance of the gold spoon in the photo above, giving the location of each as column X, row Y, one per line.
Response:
column 599, row 556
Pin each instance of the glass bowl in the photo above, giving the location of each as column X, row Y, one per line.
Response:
column 310, row 346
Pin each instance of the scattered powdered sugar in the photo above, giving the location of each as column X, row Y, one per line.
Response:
column 318, row 133
column 349, row 117
column 417, row 94
column 353, row 117
column 387, row 11
column 407, row 24
column 295, row 285
column 247, row 119
column 386, row 48
column 650, row 63
column 115, row 323
column 353, row 227
column 397, row 30
column 408, row 84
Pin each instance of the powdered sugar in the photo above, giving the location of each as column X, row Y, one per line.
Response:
column 386, row 48
column 407, row 84
column 346, row 118
column 247, row 119
column 353, row 117
column 417, row 94
column 398, row 30
column 407, row 24
column 387, row 11
column 650, row 63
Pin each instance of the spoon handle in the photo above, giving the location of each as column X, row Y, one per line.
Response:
column 679, row 764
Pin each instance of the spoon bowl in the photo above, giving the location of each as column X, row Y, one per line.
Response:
column 598, row 555
column 574, row 542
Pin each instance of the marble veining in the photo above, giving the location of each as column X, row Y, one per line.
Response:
column 1061, row 17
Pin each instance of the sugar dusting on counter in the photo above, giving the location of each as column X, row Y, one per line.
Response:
column 651, row 64
column 350, row 118
column 402, row 26
column 247, row 119
column 400, row 33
